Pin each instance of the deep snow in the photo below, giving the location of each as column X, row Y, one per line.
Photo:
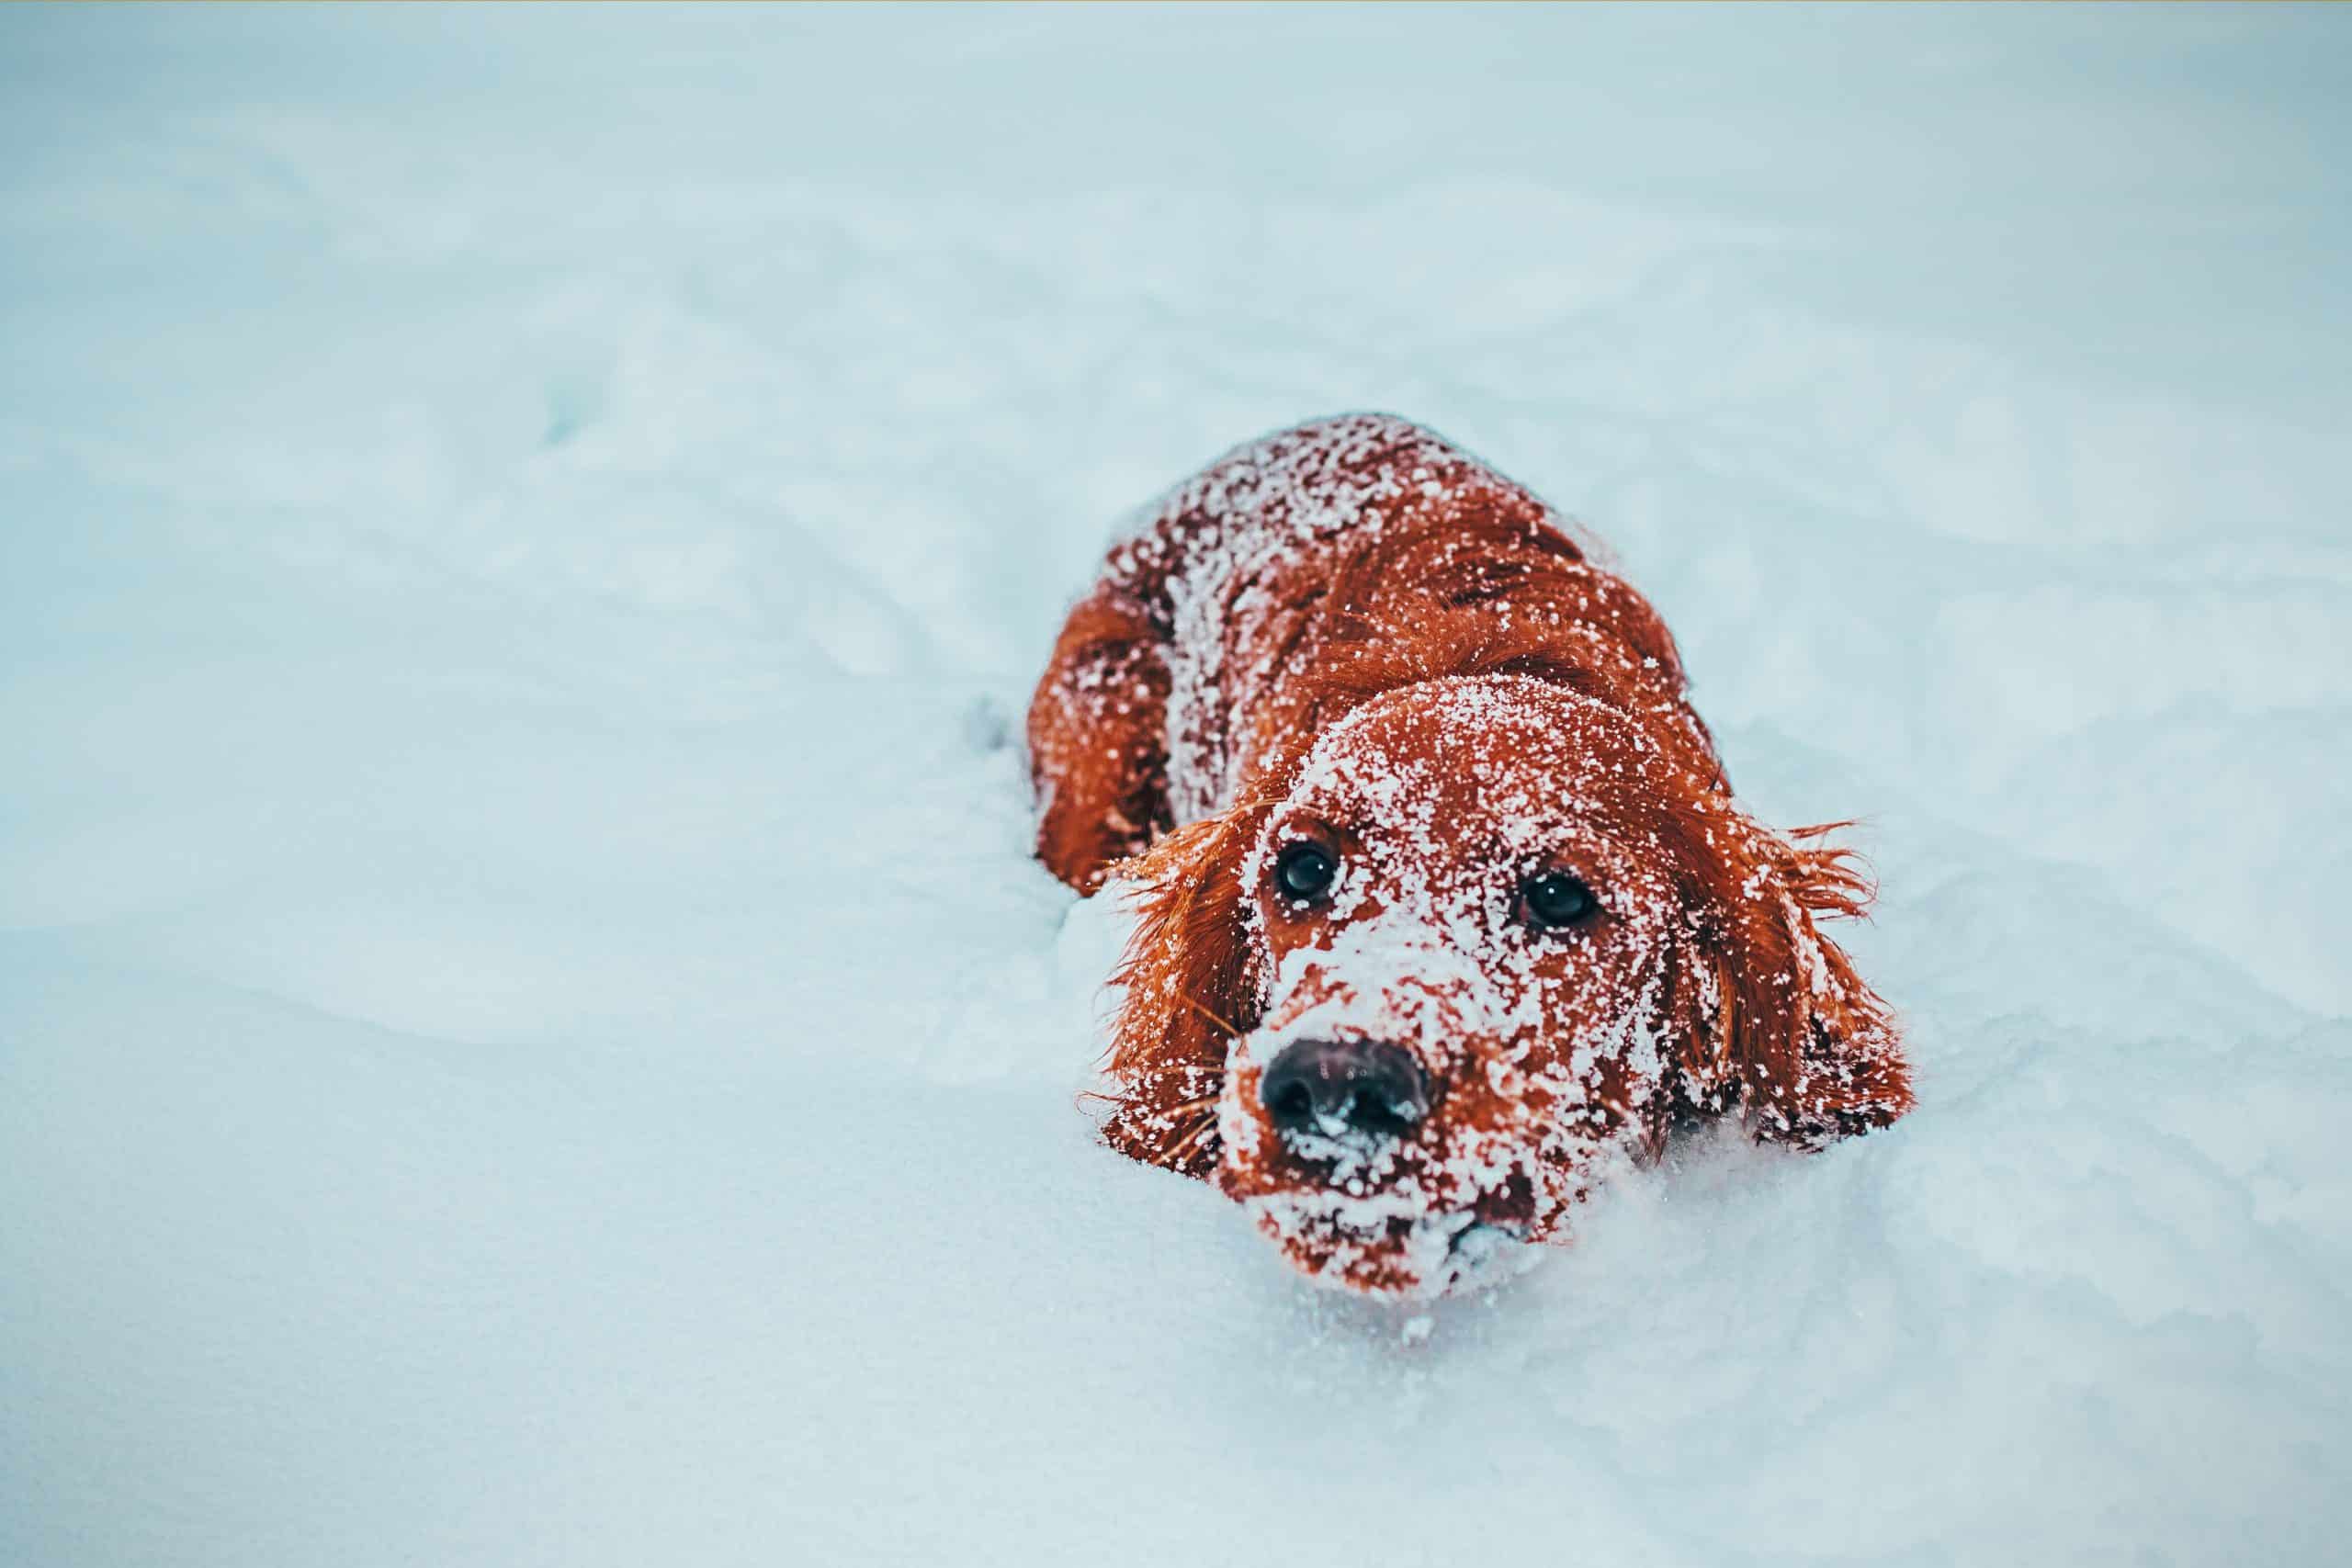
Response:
column 527, row 1029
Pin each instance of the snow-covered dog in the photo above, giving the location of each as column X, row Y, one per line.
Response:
column 1445, row 900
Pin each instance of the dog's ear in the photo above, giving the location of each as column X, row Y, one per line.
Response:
column 1193, row 982
column 1773, row 1012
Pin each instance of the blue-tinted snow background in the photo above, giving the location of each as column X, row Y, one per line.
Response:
column 527, row 1030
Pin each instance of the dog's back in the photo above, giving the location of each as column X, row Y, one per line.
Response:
column 1200, row 653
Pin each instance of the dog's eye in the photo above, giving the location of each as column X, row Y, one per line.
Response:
column 1305, row 871
column 1555, row 899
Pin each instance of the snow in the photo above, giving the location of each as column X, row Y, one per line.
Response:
column 527, row 1028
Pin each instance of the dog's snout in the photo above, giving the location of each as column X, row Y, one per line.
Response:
column 1336, row 1086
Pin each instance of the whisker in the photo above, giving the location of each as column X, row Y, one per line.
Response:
column 1205, row 1128
column 1211, row 1015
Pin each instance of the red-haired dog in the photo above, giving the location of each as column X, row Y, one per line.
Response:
column 1444, row 896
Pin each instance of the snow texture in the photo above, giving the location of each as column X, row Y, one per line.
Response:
column 528, row 1031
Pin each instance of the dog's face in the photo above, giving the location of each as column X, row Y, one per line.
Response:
column 1488, row 933
column 1463, row 915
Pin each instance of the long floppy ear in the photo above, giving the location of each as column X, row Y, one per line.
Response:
column 1774, row 1010
column 1193, row 981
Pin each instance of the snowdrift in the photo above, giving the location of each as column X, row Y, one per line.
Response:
column 528, row 1031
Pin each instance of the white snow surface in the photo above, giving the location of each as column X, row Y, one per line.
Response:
column 528, row 1031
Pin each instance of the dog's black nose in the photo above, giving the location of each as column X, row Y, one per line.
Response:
column 1336, row 1086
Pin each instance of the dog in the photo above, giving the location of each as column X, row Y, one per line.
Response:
column 1443, row 900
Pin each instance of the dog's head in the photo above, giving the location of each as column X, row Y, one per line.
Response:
column 1486, row 932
